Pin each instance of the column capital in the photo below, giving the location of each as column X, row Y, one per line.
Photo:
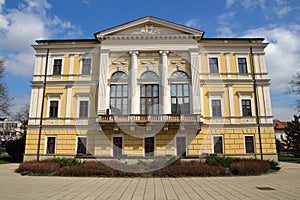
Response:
column 132, row 53
column 163, row 52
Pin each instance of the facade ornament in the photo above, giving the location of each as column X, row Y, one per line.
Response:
column 147, row 30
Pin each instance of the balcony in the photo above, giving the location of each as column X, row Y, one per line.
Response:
column 153, row 121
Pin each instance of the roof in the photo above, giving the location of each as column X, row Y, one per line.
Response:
column 279, row 124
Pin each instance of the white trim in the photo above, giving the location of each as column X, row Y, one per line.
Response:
column 231, row 103
column 86, row 145
column 46, row 144
column 212, row 143
column 154, row 153
column 252, row 106
column 112, row 143
column 228, row 65
column 186, row 144
column 71, row 69
column 254, row 147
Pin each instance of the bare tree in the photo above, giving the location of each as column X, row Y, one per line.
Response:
column 294, row 88
column 23, row 115
column 5, row 100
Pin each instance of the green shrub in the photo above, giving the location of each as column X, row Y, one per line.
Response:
column 40, row 168
column 64, row 161
column 249, row 167
column 221, row 161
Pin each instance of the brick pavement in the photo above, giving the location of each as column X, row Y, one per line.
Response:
column 284, row 184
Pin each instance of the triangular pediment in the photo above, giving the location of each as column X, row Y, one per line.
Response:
column 149, row 26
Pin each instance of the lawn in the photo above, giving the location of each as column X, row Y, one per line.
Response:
column 4, row 159
column 282, row 158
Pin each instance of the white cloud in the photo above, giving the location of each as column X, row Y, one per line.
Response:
column 250, row 4
column 229, row 3
column 194, row 23
column 282, row 54
column 20, row 27
column 225, row 28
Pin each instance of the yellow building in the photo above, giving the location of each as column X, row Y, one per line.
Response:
column 150, row 88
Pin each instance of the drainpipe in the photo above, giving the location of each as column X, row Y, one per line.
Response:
column 42, row 108
column 256, row 102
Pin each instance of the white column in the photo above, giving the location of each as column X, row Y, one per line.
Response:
column 71, row 69
column 231, row 103
column 102, row 106
column 268, row 103
column 68, row 103
column 134, row 89
column 195, row 70
column 164, row 90
column 228, row 65
column 261, row 103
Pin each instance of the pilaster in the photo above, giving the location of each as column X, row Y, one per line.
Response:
column 195, row 71
column 103, row 81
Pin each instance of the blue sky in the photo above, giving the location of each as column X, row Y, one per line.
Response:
column 278, row 21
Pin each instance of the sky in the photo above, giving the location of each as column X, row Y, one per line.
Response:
column 278, row 21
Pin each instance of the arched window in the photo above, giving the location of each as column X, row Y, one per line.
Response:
column 149, row 75
column 119, row 75
column 179, row 75
column 180, row 94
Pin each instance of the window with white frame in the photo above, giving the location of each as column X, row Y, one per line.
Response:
column 216, row 103
column 53, row 109
column 57, row 66
column 213, row 65
column 86, row 66
column 246, row 102
column 216, row 108
column 83, row 105
column 83, row 108
column 249, row 143
column 242, row 65
column 218, row 144
column 246, row 107
column 81, row 145
column 51, row 145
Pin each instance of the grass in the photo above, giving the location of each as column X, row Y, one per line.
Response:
column 282, row 158
column 4, row 159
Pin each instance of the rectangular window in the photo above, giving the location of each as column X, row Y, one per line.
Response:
column 181, row 146
column 149, row 146
column 51, row 145
column 57, row 66
column 149, row 101
column 180, row 99
column 81, row 145
column 242, row 63
column 117, row 146
column 83, row 109
column 218, row 144
column 119, row 99
column 246, row 108
column 216, row 108
column 86, row 66
column 249, row 144
column 53, row 113
column 213, row 65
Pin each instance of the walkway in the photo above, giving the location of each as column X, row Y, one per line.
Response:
column 284, row 184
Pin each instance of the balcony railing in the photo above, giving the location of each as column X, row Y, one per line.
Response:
column 137, row 118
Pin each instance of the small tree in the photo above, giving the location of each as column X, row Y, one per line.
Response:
column 292, row 141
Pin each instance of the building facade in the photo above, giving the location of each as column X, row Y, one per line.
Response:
column 150, row 88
